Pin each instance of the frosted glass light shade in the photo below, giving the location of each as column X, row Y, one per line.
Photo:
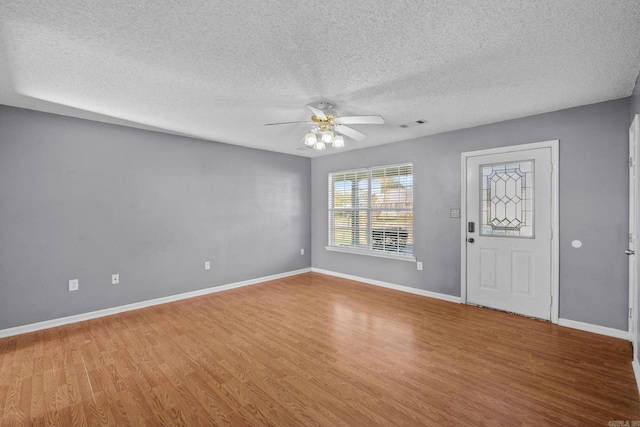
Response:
column 327, row 136
column 310, row 139
column 319, row 145
column 338, row 141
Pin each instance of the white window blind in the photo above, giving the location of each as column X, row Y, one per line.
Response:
column 372, row 209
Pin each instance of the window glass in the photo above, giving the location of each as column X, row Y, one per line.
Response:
column 372, row 209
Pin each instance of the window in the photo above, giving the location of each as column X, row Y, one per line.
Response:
column 371, row 211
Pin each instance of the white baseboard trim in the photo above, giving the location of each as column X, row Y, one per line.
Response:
column 636, row 371
column 407, row 289
column 135, row 306
column 596, row 329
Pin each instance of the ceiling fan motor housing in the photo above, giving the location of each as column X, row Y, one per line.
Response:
column 324, row 106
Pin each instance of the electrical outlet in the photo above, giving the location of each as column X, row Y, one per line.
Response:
column 302, row 251
column 419, row 265
column 115, row 279
column 73, row 285
column 207, row 265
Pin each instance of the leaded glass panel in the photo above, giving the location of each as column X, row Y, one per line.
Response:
column 507, row 199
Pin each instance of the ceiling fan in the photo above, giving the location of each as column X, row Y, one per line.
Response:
column 327, row 127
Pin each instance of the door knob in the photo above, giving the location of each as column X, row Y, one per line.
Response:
column 470, row 240
column 630, row 252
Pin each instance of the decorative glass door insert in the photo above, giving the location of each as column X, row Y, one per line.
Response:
column 506, row 207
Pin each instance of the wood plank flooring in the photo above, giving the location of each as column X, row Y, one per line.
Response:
column 314, row 350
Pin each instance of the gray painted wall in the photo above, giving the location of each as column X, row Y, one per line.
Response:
column 593, row 206
column 83, row 200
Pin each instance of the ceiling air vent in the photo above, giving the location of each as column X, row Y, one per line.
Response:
column 411, row 124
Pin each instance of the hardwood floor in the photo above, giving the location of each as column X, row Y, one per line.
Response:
column 315, row 350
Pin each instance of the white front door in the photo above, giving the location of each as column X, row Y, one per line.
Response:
column 509, row 231
column 634, row 147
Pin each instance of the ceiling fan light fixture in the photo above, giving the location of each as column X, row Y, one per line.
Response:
column 327, row 127
column 310, row 139
column 327, row 136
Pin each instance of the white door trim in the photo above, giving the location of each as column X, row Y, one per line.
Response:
column 634, row 132
column 555, row 216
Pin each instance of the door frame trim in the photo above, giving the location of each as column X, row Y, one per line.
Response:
column 633, row 275
column 555, row 216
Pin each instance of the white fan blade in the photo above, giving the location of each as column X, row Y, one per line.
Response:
column 361, row 120
column 351, row 133
column 285, row 123
column 318, row 113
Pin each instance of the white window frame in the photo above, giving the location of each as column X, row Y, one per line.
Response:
column 369, row 251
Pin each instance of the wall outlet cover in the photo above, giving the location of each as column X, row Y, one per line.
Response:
column 115, row 279
column 73, row 285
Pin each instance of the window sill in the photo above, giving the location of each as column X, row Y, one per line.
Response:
column 387, row 255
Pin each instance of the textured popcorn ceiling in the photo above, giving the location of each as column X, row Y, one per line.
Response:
column 221, row 70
